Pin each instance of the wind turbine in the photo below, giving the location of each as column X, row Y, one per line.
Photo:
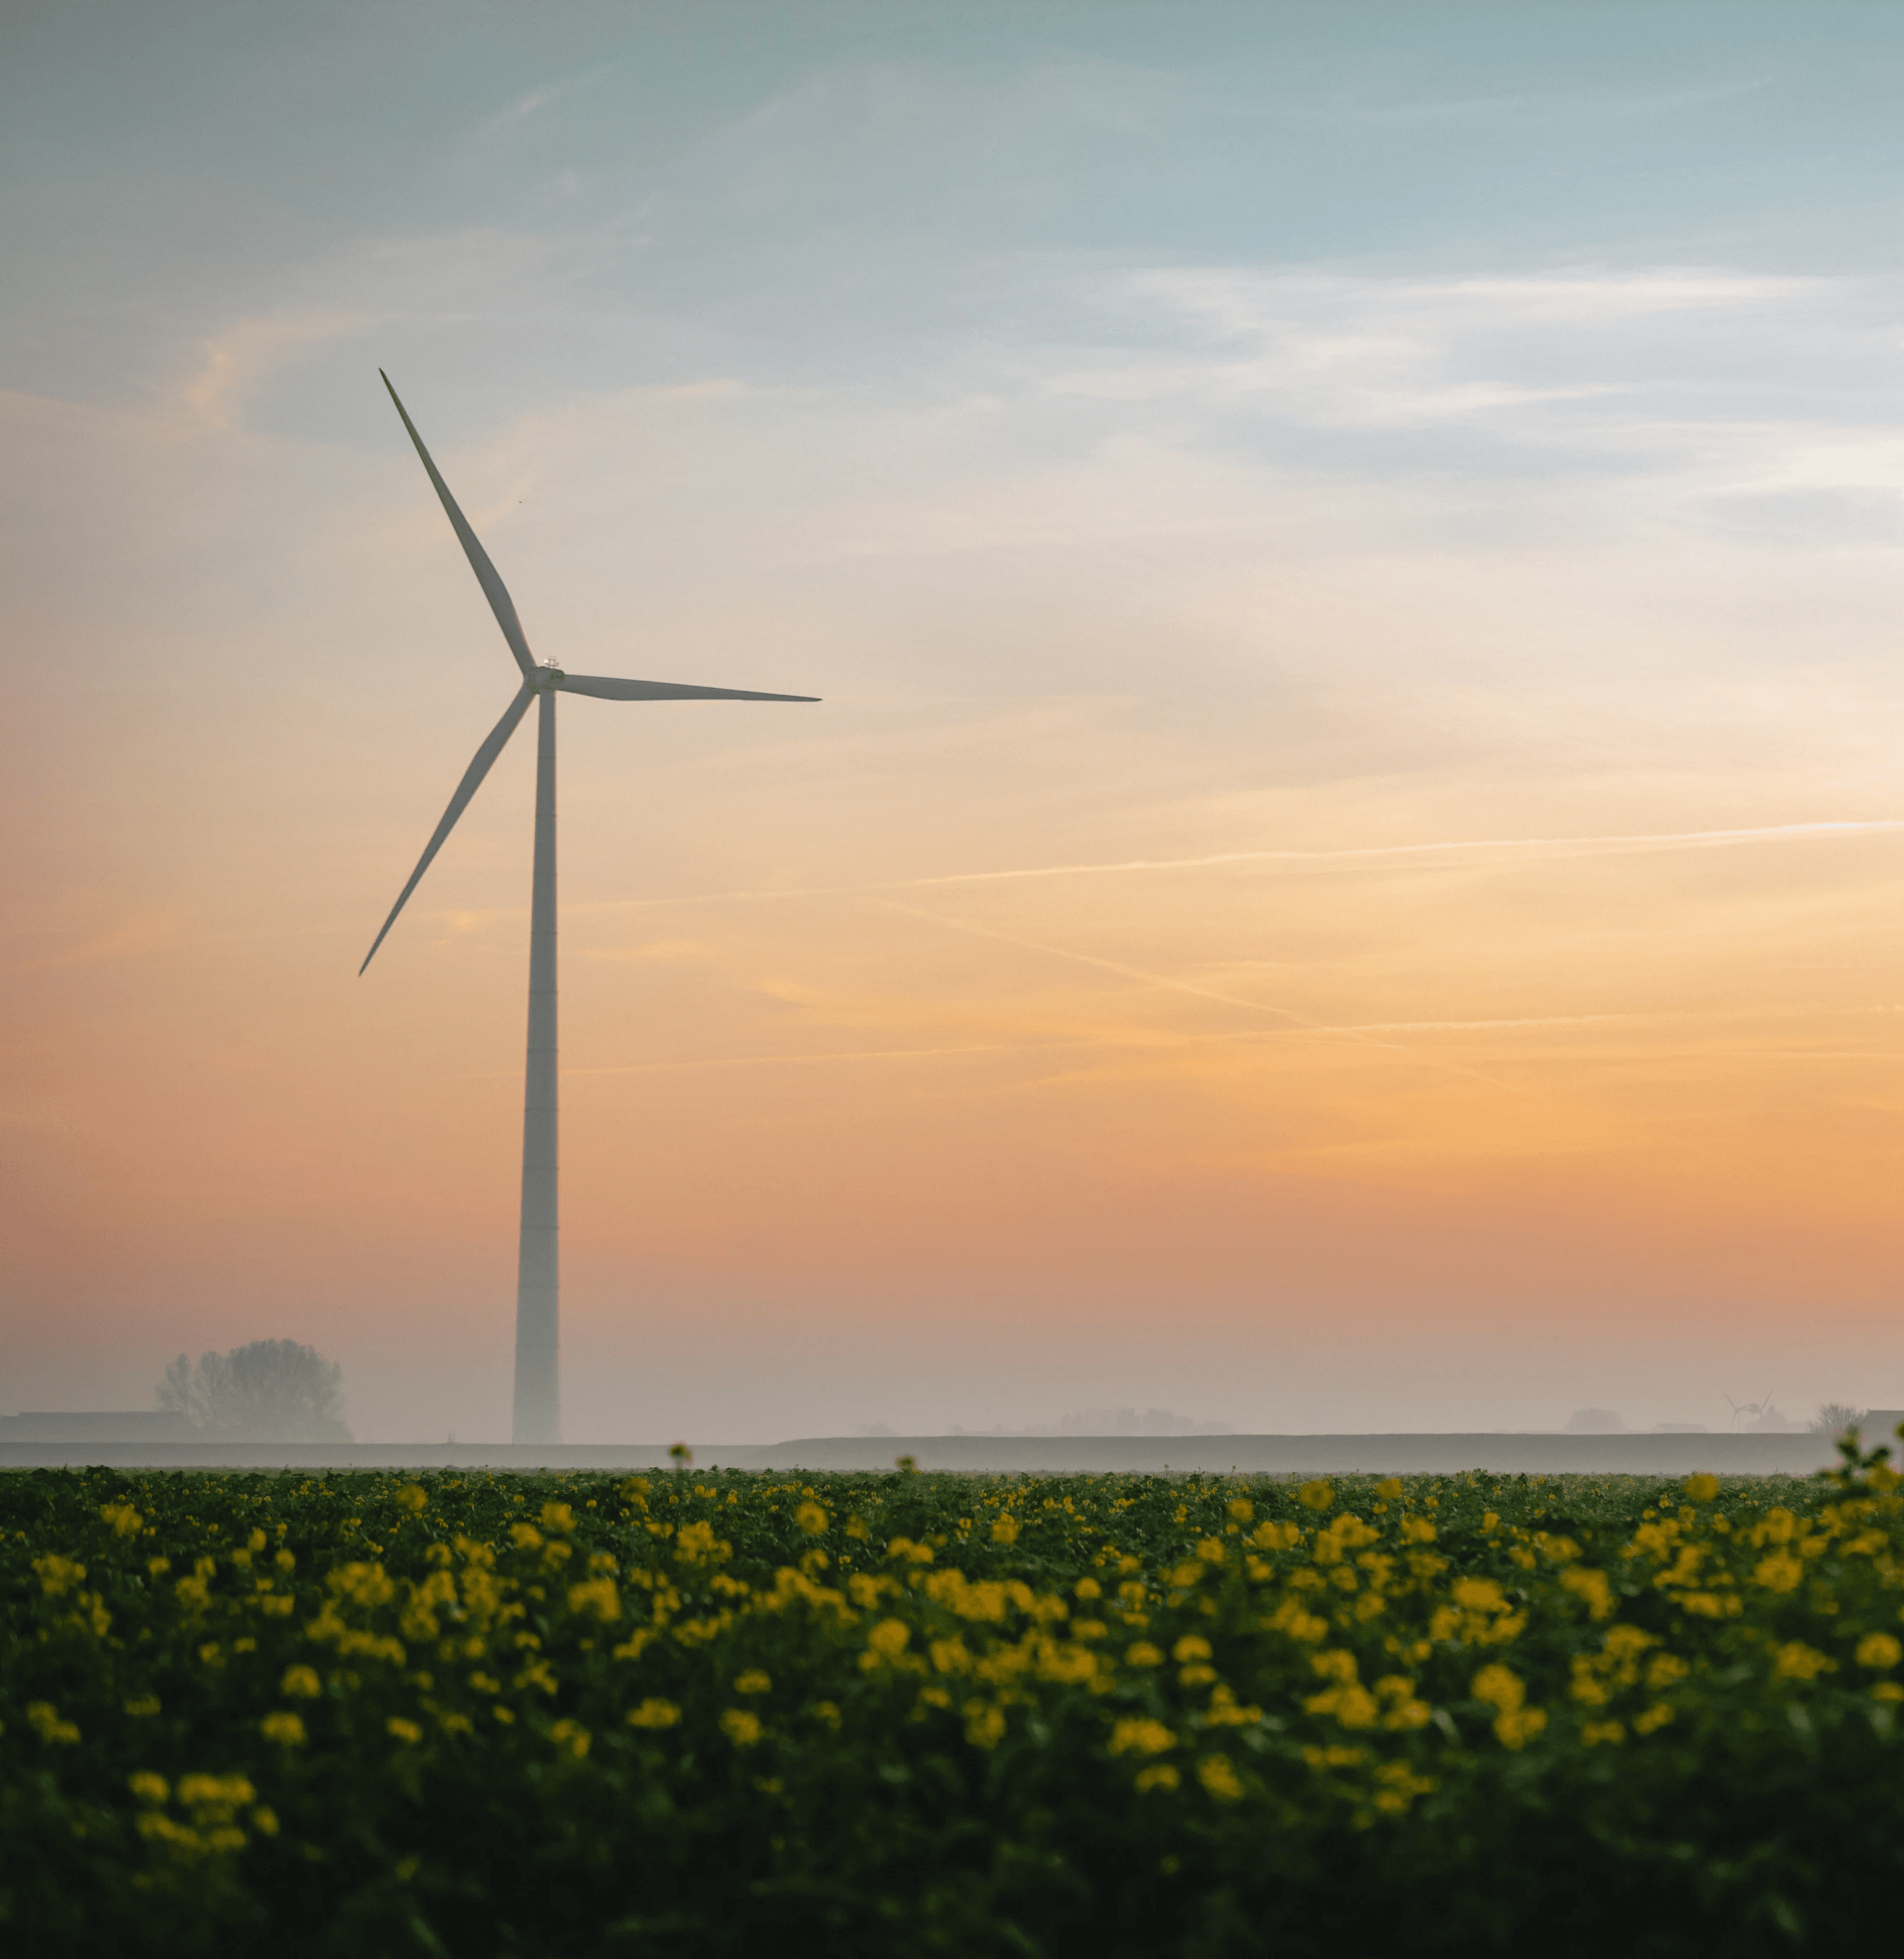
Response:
column 537, row 1405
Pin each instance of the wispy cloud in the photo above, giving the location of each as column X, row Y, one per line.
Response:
column 1173, row 983
column 534, row 101
column 1608, row 843
column 1400, row 352
column 238, row 361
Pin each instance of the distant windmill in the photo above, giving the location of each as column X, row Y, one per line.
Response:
column 1757, row 1409
column 537, row 1406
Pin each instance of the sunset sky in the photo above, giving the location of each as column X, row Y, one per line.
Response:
column 1350, row 872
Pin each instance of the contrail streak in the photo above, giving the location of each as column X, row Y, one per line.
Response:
column 1638, row 843
column 1165, row 979
column 809, row 1060
column 1684, row 839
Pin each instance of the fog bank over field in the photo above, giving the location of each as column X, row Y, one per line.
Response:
column 709, row 1383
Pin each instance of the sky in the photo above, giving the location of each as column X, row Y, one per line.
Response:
column 1350, row 873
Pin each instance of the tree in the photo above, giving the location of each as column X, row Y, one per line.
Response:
column 1834, row 1419
column 265, row 1391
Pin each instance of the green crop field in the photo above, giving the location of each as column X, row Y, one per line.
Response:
column 470, row 1714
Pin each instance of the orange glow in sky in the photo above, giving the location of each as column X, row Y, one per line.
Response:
column 1350, row 872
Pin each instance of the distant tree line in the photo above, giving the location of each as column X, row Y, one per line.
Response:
column 265, row 1391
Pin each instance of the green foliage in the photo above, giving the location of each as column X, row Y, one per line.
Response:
column 922, row 1714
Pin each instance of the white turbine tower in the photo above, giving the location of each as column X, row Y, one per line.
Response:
column 538, row 1410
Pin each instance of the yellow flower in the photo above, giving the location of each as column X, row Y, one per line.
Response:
column 1794, row 1660
column 1780, row 1572
column 753, row 1682
column 1088, row 1588
column 287, row 1730
column 1218, row 1775
column 985, row 1724
column 1593, row 1734
column 1499, row 1688
column 597, row 1598
column 1224, row 1713
column 1142, row 1654
column 1404, row 1710
column 1316, row 1496
column 1159, row 1775
column 43, row 1718
column 1514, row 1728
column 1701, row 1489
column 142, row 1707
column 696, row 1544
column 571, row 1737
column 148, row 1787
column 1241, row 1509
column 404, row 1730
column 126, row 1521
column 1879, row 1651
column 889, row 1639
column 412, row 1497
column 654, row 1714
column 1004, row 1530
column 1335, row 1757
column 740, row 1727
column 950, row 1655
column 59, row 1575
column 558, row 1519
column 811, row 1518
column 1191, row 1647
column 1591, row 1586
column 1389, row 1489
column 1138, row 1734
column 1398, row 1787
column 1352, row 1707
column 1337, row 1664
column 1657, row 1716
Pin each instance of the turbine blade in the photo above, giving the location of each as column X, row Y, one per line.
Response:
column 471, row 782
column 662, row 690
column 494, row 590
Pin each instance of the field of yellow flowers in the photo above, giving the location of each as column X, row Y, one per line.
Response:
column 469, row 1714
